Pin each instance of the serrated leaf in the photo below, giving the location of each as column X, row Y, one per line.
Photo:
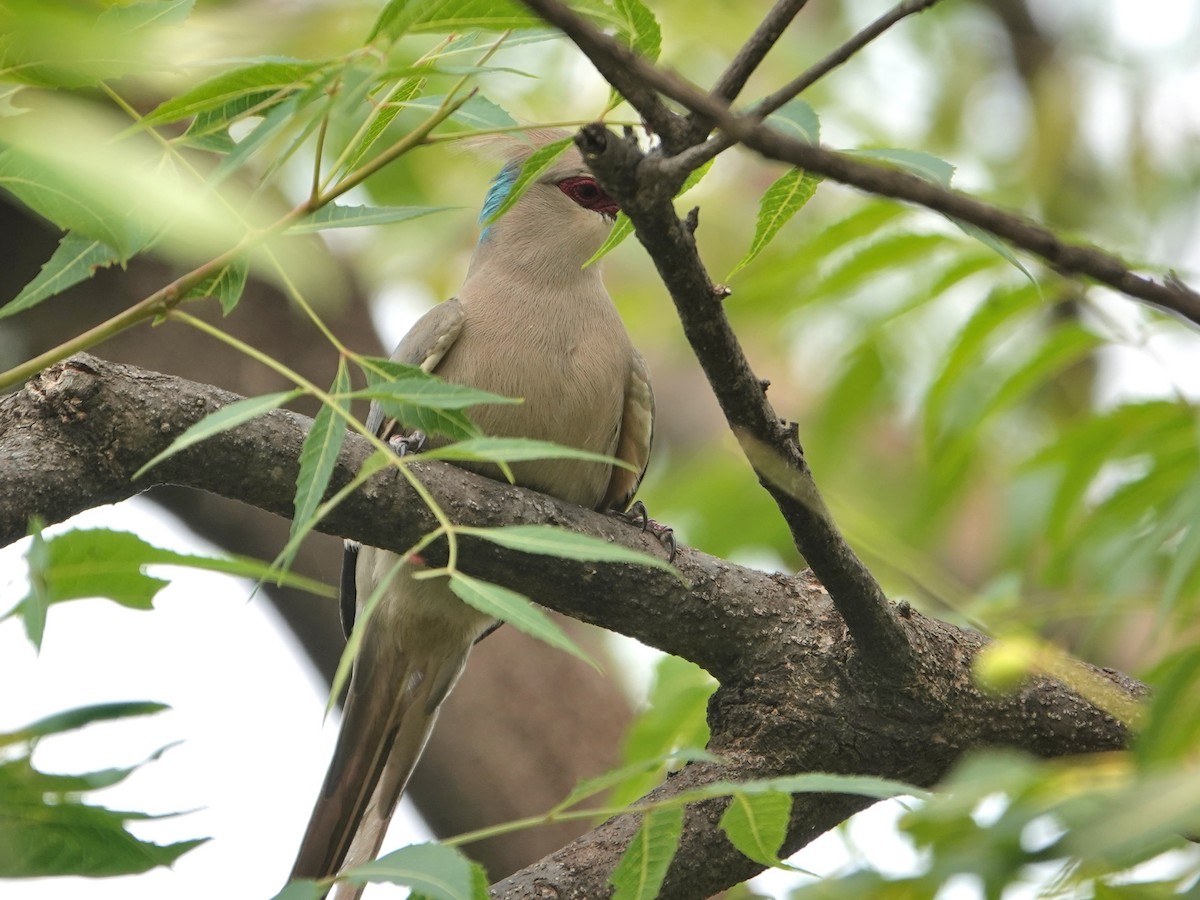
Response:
column 674, row 716
column 62, row 196
column 548, row 540
column 428, row 390
column 67, row 837
column 918, row 162
column 538, row 162
column 782, row 200
column 237, row 413
column 318, row 456
column 76, row 259
column 80, row 717
column 797, row 119
column 622, row 228
column 107, row 564
column 994, row 243
column 590, row 787
column 757, row 823
column 644, row 864
column 227, row 285
column 302, row 890
column 231, row 87
column 515, row 609
column 993, row 317
column 333, row 216
column 436, row 871
column 479, row 113
column 404, row 91
column 638, row 29
column 399, row 17
column 502, row 449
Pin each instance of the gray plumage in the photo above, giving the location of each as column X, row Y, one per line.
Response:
column 530, row 322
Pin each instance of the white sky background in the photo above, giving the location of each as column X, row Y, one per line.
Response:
column 247, row 708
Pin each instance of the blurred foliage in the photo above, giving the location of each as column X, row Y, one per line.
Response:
column 1022, row 456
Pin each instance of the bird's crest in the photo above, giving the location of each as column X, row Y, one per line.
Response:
column 512, row 149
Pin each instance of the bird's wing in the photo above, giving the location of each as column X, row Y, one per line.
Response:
column 635, row 437
column 425, row 344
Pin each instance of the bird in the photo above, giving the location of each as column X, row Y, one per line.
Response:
column 530, row 320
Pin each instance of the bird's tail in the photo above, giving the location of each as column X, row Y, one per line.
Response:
column 378, row 746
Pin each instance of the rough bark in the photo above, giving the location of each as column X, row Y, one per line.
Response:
column 796, row 693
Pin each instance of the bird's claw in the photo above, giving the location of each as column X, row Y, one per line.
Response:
column 637, row 515
column 404, row 444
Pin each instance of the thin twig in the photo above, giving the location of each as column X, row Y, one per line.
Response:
column 735, row 76
column 618, row 65
column 1170, row 295
column 820, row 69
column 729, row 85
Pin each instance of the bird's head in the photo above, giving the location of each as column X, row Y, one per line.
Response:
column 565, row 211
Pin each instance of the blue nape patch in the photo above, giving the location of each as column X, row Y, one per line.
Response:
column 501, row 185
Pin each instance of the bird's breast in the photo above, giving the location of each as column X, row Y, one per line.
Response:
column 569, row 369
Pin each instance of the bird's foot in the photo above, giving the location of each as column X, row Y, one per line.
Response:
column 404, row 444
column 665, row 534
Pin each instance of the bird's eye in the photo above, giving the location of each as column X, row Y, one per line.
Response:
column 584, row 190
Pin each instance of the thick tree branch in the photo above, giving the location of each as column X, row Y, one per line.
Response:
column 1170, row 295
column 769, row 443
column 795, row 694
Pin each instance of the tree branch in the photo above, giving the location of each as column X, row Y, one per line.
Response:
column 794, row 695
column 770, row 444
column 1170, row 295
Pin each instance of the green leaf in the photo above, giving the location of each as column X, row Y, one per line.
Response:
column 422, row 401
column 782, row 200
column 643, row 865
column 757, row 823
column 334, row 216
column 318, row 456
column 918, row 162
column 422, row 389
column 622, row 228
column 302, row 890
column 431, row 870
column 66, row 198
column 237, row 413
column 515, row 609
column 227, row 90
column 638, row 29
column 590, row 787
column 227, row 285
column 797, row 119
column 401, row 93
column 504, row 449
column 538, row 162
column 77, row 259
column 548, row 540
column 994, row 243
column 992, row 320
column 74, row 719
column 146, row 15
column 479, row 113
column 402, row 16
column 108, row 564
column 674, row 717
column 1172, row 725
column 46, row 833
